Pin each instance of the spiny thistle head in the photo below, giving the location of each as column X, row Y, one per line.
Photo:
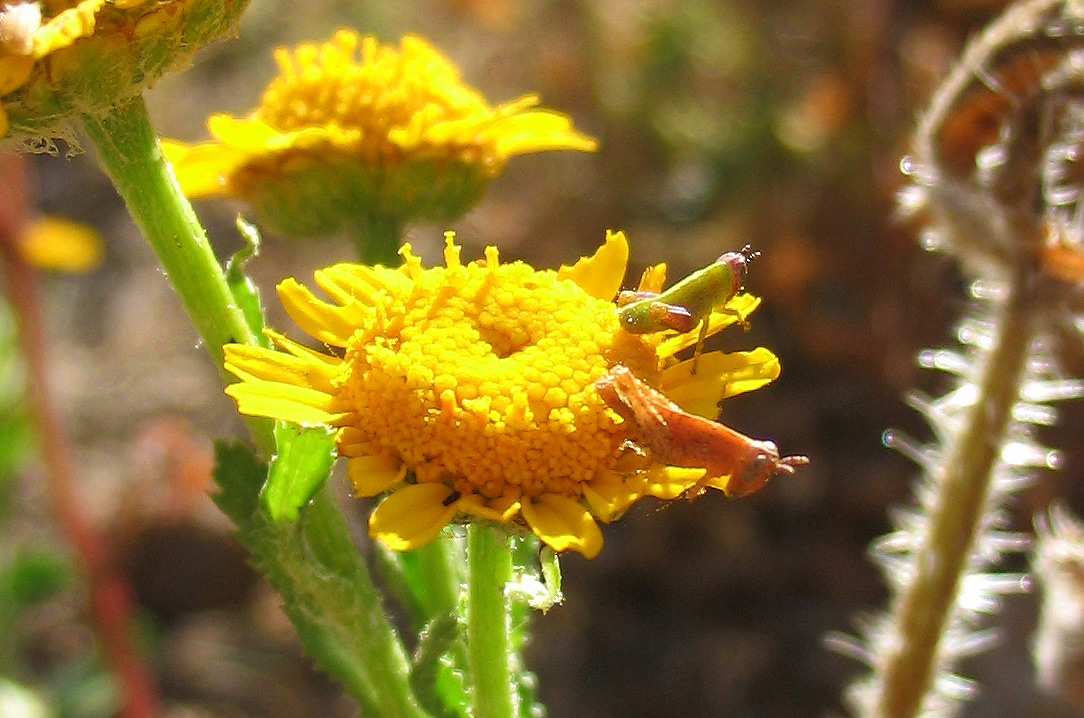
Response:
column 63, row 58
column 352, row 126
column 468, row 391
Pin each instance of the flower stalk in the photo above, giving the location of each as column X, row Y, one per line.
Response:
column 376, row 238
column 999, row 189
column 129, row 151
column 489, row 635
column 325, row 584
column 966, row 470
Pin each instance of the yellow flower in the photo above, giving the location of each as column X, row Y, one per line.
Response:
column 466, row 391
column 60, row 245
column 64, row 57
column 394, row 131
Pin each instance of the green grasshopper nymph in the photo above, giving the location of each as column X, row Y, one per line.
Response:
column 689, row 302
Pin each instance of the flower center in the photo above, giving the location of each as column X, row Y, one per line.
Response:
column 386, row 89
column 480, row 376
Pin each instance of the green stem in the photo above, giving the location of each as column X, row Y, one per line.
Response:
column 376, row 238
column 488, row 630
column 129, row 151
column 923, row 607
column 325, row 586
column 435, row 565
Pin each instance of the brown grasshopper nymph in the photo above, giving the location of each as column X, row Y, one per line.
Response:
column 678, row 438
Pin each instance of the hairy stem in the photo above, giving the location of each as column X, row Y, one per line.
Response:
column 488, row 632
column 129, row 151
column 922, row 609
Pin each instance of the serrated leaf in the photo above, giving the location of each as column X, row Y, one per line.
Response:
column 301, row 466
column 244, row 291
column 323, row 581
column 438, row 687
column 239, row 475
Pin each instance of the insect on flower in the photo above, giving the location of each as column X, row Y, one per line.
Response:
column 689, row 302
column 678, row 438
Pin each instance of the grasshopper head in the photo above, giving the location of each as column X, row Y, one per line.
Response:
column 738, row 262
column 763, row 465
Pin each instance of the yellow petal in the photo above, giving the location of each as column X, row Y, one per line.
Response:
column 670, row 482
column 316, row 318
column 301, row 351
column 600, row 274
column 282, row 401
column 248, row 135
column 14, row 71
column 375, row 474
column 57, row 244
column 501, row 509
column 610, row 494
column 412, row 516
column 719, row 376
column 203, row 170
column 250, row 362
column 562, row 524
column 737, row 309
column 653, row 278
column 67, row 27
column 539, row 130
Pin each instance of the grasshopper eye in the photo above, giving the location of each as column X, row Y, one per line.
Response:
column 752, row 477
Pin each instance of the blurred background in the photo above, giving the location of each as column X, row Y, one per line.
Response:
column 721, row 123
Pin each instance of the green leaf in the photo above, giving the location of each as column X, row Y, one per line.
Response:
column 241, row 287
column 551, row 576
column 301, row 466
column 438, row 687
column 324, row 584
column 239, row 475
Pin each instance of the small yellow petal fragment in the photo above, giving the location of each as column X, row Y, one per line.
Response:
column 372, row 475
column 600, row 274
column 500, row 510
column 722, row 483
column 669, row 482
column 562, row 524
column 412, row 516
column 653, row 279
column 610, row 495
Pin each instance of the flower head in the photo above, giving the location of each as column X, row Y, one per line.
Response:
column 468, row 391
column 394, row 129
column 65, row 57
column 60, row 245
